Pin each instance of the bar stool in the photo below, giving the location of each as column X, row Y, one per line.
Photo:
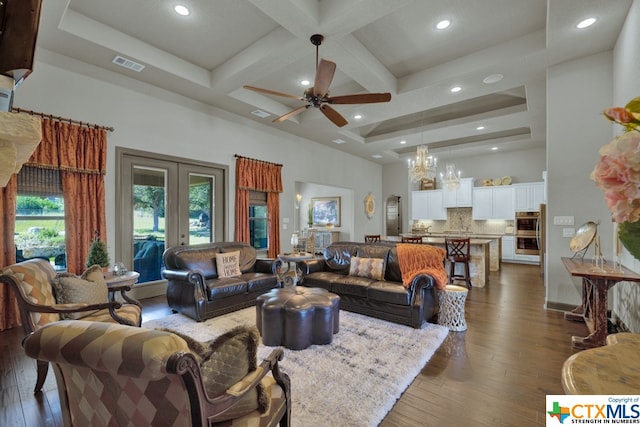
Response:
column 411, row 239
column 451, row 307
column 371, row 238
column 458, row 252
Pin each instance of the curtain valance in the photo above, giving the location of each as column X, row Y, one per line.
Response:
column 257, row 175
column 71, row 148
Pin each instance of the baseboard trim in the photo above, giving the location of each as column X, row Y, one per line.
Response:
column 149, row 289
column 559, row 306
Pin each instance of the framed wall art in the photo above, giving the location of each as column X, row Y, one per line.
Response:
column 326, row 210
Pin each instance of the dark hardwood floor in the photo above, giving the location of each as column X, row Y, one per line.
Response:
column 497, row 373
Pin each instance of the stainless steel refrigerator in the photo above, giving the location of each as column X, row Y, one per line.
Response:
column 394, row 216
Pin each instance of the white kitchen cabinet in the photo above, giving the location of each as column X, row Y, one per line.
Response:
column 508, row 248
column 529, row 197
column 461, row 197
column 428, row 204
column 503, row 207
column 482, row 203
column 493, row 203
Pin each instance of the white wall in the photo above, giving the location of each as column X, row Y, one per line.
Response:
column 147, row 118
column 577, row 93
column 626, row 86
column 521, row 165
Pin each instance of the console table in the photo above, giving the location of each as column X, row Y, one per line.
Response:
column 596, row 281
column 284, row 276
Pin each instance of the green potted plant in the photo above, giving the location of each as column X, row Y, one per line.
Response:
column 310, row 215
column 98, row 253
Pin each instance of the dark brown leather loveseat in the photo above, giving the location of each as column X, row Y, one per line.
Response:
column 386, row 299
column 194, row 288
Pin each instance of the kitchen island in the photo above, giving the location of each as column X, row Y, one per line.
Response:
column 479, row 265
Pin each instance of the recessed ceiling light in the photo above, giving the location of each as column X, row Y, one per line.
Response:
column 480, row 127
column 586, row 23
column 443, row 24
column 305, row 82
column 456, row 89
column 376, row 156
column 493, row 78
column 339, row 141
column 494, row 148
column 403, row 142
column 181, row 10
column 357, row 116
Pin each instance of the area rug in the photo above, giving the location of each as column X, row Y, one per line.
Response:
column 354, row 381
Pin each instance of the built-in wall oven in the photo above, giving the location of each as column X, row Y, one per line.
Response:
column 528, row 233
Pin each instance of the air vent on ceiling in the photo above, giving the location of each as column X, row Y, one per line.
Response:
column 127, row 63
column 260, row 113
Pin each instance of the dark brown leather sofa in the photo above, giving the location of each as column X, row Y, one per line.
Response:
column 388, row 299
column 195, row 290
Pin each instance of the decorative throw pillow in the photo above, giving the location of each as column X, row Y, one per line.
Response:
column 228, row 264
column 372, row 268
column 90, row 288
column 225, row 361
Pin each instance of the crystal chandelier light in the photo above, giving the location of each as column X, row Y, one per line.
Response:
column 450, row 178
column 424, row 165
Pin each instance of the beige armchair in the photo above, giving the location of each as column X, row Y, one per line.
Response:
column 110, row 374
column 32, row 283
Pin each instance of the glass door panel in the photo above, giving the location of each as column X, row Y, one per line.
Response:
column 200, row 218
column 149, row 230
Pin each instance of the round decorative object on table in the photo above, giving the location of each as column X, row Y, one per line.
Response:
column 297, row 317
column 451, row 312
column 584, row 236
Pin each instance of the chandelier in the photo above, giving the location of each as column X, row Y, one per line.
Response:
column 450, row 178
column 424, row 166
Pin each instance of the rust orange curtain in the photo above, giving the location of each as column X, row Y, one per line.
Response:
column 9, row 312
column 262, row 176
column 80, row 153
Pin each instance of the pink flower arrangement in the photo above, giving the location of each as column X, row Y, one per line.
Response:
column 618, row 171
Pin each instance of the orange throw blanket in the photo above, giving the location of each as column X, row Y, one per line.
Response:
column 422, row 259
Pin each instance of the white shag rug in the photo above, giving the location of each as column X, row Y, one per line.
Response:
column 354, row 381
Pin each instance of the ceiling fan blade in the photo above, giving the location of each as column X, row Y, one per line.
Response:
column 290, row 114
column 324, row 75
column 272, row 92
column 365, row 98
column 333, row 115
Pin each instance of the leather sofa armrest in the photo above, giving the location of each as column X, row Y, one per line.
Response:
column 189, row 276
column 311, row 266
column 419, row 283
column 264, row 265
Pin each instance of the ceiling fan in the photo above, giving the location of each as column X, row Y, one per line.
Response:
column 318, row 95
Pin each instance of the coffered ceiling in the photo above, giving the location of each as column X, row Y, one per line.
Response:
column 378, row 46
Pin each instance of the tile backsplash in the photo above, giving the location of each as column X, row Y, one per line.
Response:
column 461, row 219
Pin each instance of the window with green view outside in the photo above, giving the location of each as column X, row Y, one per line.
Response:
column 258, row 226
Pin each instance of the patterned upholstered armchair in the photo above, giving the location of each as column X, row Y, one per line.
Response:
column 32, row 282
column 111, row 374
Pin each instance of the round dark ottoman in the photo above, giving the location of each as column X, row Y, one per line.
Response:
column 297, row 317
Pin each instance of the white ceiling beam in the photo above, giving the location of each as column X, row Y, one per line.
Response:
column 83, row 27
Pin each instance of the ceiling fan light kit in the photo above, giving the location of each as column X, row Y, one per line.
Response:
column 318, row 96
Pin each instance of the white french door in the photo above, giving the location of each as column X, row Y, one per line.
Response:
column 164, row 202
